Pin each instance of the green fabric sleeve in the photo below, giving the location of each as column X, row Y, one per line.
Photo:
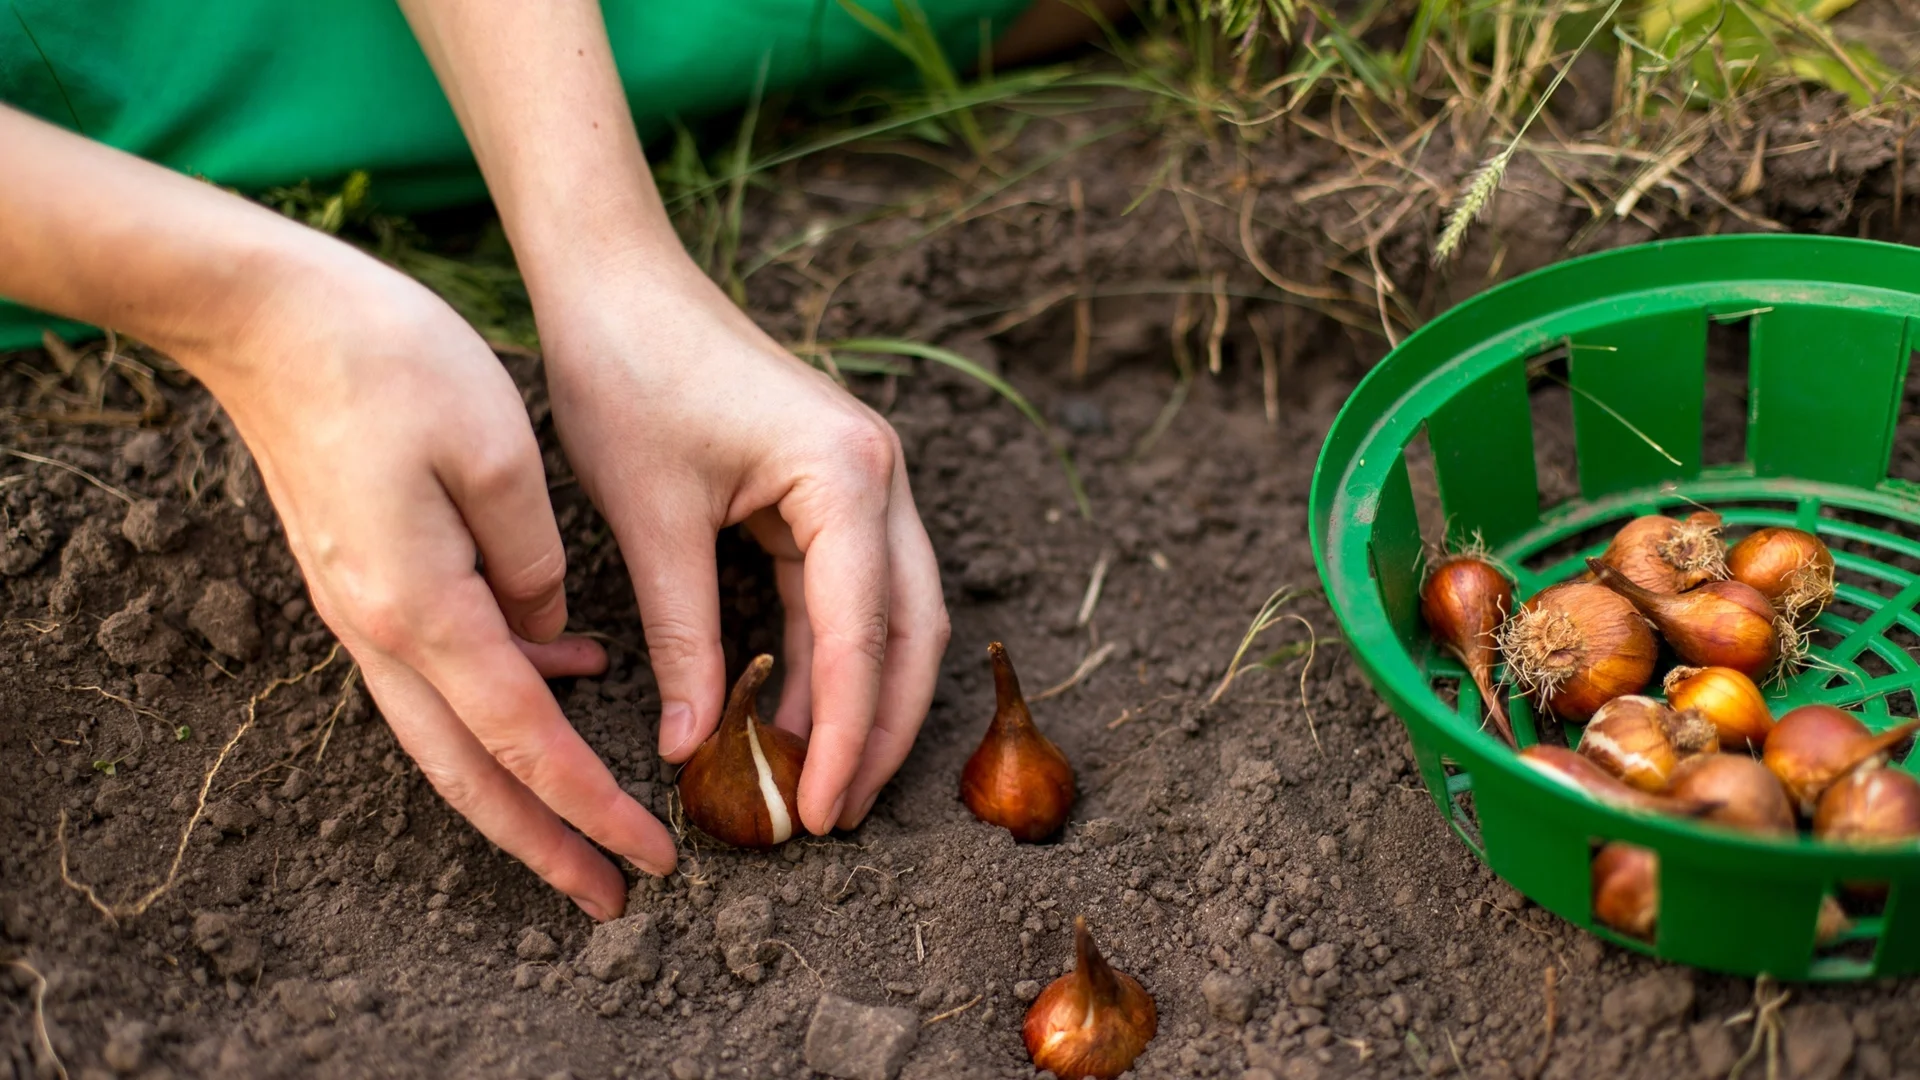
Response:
column 257, row 93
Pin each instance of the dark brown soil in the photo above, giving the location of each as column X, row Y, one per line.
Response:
column 1270, row 869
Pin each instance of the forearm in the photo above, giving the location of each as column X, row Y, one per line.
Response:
column 537, row 92
column 95, row 234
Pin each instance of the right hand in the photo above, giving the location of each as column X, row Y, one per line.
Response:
column 397, row 449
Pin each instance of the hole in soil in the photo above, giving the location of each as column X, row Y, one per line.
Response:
column 1556, row 461
column 1432, row 517
column 1905, row 464
column 1723, row 413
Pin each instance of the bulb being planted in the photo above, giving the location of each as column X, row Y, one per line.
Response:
column 1093, row 1022
column 1464, row 600
column 741, row 786
column 1576, row 646
column 1017, row 779
column 1815, row 745
column 1721, row 623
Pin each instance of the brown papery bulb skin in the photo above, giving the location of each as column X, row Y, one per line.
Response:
column 1726, row 698
column 1464, row 600
column 1815, row 745
column 742, row 785
column 1667, row 556
column 1626, row 889
column 1870, row 808
column 1743, row 794
column 1641, row 740
column 1792, row 568
column 1017, row 779
column 1570, row 769
column 1576, row 646
column 1719, row 624
column 1092, row 1022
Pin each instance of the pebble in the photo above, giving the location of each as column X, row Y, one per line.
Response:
column 527, row 976
column 1026, row 990
column 859, row 1042
column 627, row 947
column 224, row 616
column 1321, row 959
column 153, row 526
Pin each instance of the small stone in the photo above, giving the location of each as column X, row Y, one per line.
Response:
column 153, row 526
column 232, row 818
column 1026, row 990
column 1819, row 1041
column 304, row 1001
column 623, row 948
column 234, row 950
column 224, row 616
column 536, row 945
column 126, row 1049
column 685, row 1068
column 334, row 830
column 137, row 637
column 527, row 976
column 1321, row 959
column 451, row 880
column 1301, row 939
column 1229, row 997
column 859, row 1042
column 1650, row 1001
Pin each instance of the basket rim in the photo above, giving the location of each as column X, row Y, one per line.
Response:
column 1393, row 668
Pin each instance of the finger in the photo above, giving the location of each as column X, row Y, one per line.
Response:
column 846, row 589
column 500, row 489
column 568, row 655
column 917, row 633
column 469, row 657
column 669, row 547
column 474, row 784
column 796, row 686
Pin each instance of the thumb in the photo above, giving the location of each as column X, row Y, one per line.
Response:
column 669, row 549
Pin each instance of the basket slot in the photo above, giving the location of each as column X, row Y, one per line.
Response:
column 1482, row 441
column 1832, row 419
column 1638, row 388
column 1699, row 904
column 1393, row 549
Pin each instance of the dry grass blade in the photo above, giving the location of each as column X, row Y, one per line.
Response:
column 40, row 1033
column 1087, row 667
column 1268, row 616
column 1095, row 582
column 75, row 470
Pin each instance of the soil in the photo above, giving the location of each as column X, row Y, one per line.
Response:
column 1269, row 866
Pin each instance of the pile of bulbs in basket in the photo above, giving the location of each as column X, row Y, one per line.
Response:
column 1584, row 650
column 741, row 787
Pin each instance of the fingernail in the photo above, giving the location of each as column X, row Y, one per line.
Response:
column 676, row 727
column 591, row 908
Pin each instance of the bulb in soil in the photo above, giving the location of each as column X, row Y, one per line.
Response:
column 1815, row 745
column 1464, row 600
column 741, row 786
column 1741, row 792
column 1791, row 568
column 1017, row 779
column 1640, row 740
column 1577, row 646
column 1667, row 556
column 1870, row 808
column 1092, row 1022
column 1719, row 624
column 1728, row 699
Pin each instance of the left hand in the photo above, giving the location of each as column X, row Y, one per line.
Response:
column 681, row 418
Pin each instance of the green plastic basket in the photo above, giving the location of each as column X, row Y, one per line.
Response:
column 1831, row 324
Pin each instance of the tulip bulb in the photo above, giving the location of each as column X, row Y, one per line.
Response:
column 1667, row 556
column 1815, row 745
column 1093, row 1022
column 1640, row 740
column 1719, row 624
column 1017, row 779
column 1741, row 792
column 1870, row 807
column 1575, row 647
column 1626, row 889
column 742, row 785
column 1725, row 697
column 1791, row 568
column 1464, row 600
column 1570, row 769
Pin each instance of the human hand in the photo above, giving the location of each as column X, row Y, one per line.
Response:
column 681, row 417
column 397, row 449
